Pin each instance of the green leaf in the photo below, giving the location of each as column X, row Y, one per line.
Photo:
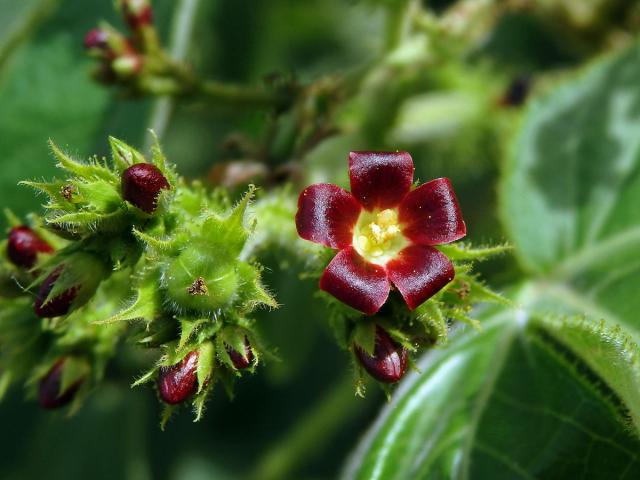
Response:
column 501, row 404
column 609, row 352
column 541, row 392
column 571, row 190
column 34, row 109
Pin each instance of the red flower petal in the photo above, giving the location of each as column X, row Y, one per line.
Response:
column 356, row 282
column 326, row 215
column 419, row 272
column 380, row 179
column 430, row 214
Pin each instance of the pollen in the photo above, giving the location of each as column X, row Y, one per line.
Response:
column 378, row 236
column 384, row 228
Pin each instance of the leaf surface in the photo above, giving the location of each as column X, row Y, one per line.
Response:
column 548, row 389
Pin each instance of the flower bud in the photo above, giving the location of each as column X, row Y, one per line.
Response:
column 24, row 245
column 57, row 306
column 49, row 394
column 96, row 39
column 137, row 13
column 127, row 65
column 76, row 280
column 517, row 92
column 241, row 360
column 199, row 281
column 141, row 185
column 178, row 382
column 389, row 361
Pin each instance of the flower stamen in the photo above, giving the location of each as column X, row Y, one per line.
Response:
column 377, row 236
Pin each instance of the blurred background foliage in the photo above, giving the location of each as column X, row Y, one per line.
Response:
column 451, row 103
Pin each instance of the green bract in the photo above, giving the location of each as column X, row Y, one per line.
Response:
column 184, row 271
column 191, row 282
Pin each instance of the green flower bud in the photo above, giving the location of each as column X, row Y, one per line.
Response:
column 196, row 281
column 127, row 65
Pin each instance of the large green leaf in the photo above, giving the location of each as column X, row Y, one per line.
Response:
column 507, row 403
column 573, row 177
column 571, row 193
column 541, row 392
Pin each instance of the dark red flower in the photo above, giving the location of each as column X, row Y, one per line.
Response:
column 58, row 305
column 178, row 382
column 385, row 231
column 49, row 394
column 24, row 245
column 389, row 361
column 141, row 185
column 241, row 360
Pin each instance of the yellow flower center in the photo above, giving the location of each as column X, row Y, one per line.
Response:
column 377, row 236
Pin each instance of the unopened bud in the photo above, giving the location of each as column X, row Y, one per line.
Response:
column 49, row 395
column 141, row 185
column 24, row 245
column 389, row 361
column 178, row 382
column 241, row 360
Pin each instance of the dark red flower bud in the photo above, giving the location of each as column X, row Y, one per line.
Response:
column 178, row 382
column 141, row 185
column 58, row 305
column 241, row 361
column 389, row 361
column 24, row 245
column 517, row 92
column 49, row 394
column 96, row 38
column 137, row 13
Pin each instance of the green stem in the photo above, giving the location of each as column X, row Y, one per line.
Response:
column 398, row 22
column 181, row 33
column 310, row 434
column 237, row 95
